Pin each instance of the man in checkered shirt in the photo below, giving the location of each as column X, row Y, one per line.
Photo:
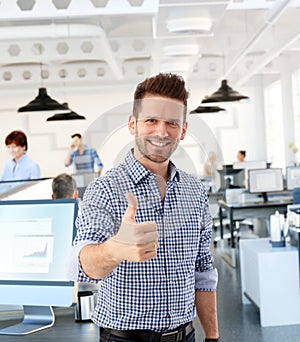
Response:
column 82, row 156
column 145, row 231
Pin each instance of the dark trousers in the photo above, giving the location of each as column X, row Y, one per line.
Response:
column 107, row 337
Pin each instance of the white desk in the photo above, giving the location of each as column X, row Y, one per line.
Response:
column 270, row 279
column 241, row 211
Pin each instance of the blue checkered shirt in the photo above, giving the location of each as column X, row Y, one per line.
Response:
column 157, row 294
column 85, row 162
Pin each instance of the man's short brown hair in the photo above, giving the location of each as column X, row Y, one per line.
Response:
column 167, row 85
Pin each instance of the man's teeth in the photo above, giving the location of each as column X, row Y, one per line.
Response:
column 160, row 144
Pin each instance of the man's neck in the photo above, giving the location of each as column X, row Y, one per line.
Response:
column 81, row 148
column 160, row 169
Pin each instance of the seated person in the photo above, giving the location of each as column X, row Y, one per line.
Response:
column 64, row 186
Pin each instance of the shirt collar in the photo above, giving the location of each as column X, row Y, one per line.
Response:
column 137, row 171
column 20, row 159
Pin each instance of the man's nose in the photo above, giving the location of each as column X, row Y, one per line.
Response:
column 162, row 128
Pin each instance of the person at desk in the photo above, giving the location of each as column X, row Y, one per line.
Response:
column 82, row 156
column 64, row 186
column 241, row 156
column 20, row 166
column 145, row 231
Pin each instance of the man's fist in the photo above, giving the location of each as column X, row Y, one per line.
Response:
column 134, row 233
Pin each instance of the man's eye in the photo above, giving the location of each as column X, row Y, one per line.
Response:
column 150, row 120
column 173, row 123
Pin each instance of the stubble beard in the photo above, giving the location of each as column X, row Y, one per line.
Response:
column 141, row 144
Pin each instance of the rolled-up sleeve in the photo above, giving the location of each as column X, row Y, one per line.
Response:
column 74, row 269
column 206, row 276
column 206, row 281
column 94, row 225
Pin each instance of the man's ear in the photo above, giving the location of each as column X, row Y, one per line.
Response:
column 75, row 194
column 184, row 130
column 132, row 124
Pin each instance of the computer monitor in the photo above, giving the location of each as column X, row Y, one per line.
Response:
column 36, row 237
column 264, row 181
column 26, row 187
column 231, row 178
column 292, row 177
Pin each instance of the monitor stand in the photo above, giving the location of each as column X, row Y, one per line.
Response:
column 264, row 196
column 35, row 318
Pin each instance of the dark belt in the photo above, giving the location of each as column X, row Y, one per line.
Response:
column 176, row 335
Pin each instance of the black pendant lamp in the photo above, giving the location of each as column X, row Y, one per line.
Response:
column 224, row 94
column 42, row 102
column 207, row 109
column 68, row 115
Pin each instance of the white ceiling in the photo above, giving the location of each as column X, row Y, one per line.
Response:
column 82, row 43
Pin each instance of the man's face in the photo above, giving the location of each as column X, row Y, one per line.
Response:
column 76, row 142
column 159, row 128
column 240, row 156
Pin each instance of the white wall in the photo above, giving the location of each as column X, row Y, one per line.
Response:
column 107, row 112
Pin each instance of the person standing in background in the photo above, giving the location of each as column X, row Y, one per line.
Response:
column 82, row 156
column 20, row 167
column 241, row 155
column 210, row 165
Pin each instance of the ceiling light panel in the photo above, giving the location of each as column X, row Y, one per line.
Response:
column 182, row 17
column 78, row 8
column 189, row 25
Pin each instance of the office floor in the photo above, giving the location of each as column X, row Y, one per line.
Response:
column 238, row 322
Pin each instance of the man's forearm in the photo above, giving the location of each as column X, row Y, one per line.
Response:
column 68, row 157
column 206, row 305
column 97, row 260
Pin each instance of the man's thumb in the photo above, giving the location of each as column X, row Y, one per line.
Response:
column 129, row 215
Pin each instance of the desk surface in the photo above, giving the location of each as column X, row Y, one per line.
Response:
column 263, row 245
column 255, row 204
column 65, row 329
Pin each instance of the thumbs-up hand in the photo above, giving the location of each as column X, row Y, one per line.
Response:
column 137, row 241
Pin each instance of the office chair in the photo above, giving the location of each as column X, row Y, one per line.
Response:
column 296, row 195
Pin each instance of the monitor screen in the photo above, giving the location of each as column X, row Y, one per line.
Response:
column 36, row 238
column 292, row 177
column 265, row 180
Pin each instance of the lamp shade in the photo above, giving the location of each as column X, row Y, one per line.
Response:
column 224, row 94
column 42, row 102
column 207, row 109
column 70, row 115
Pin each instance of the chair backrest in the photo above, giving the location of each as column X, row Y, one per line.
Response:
column 296, row 195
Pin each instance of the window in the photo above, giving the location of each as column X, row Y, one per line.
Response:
column 296, row 103
column 274, row 125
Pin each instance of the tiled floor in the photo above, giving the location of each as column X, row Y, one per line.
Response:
column 238, row 322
